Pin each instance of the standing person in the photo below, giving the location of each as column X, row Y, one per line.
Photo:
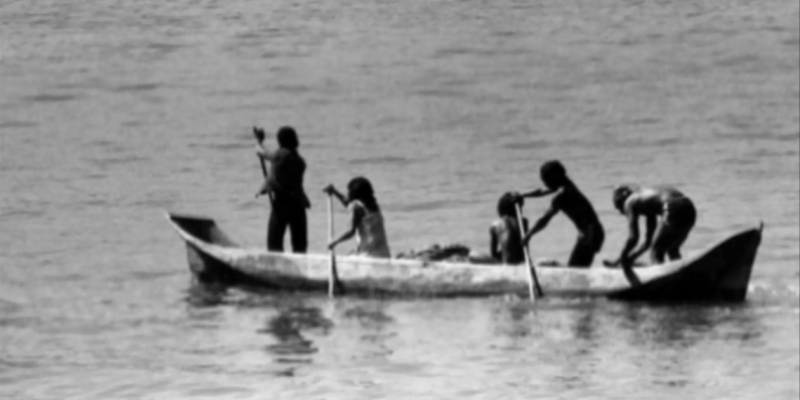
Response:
column 575, row 206
column 285, row 186
column 669, row 216
column 366, row 220
column 505, row 235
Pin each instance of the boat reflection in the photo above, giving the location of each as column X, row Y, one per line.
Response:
column 200, row 295
column 685, row 326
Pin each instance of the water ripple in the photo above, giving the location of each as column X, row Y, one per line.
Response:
column 382, row 160
column 51, row 98
column 136, row 87
column 17, row 124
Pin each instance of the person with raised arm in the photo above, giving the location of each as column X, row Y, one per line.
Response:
column 569, row 200
column 284, row 185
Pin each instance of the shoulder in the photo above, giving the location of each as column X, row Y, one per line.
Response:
column 356, row 206
column 498, row 225
column 279, row 154
column 286, row 153
column 636, row 203
column 561, row 197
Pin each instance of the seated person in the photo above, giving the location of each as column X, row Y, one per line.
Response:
column 505, row 235
column 366, row 221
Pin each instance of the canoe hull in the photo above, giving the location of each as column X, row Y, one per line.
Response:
column 723, row 274
column 719, row 273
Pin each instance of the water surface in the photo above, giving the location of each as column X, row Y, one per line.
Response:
column 112, row 112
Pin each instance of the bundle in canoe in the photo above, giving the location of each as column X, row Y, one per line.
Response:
column 720, row 273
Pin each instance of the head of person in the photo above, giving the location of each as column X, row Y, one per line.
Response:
column 287, row 138
column 620, row 195
column 506, row 206
column 360, row 189
column 553, row 174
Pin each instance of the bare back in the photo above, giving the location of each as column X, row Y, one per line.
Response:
column 669, row 216
column 577, row 208
column 506, row 241
column 652, row 202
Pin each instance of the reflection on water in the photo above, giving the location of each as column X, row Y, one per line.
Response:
column 374, row 327
column 686, row 326
column 289, row 326
column 571, row 346
column 642, row 344
column 206, row 294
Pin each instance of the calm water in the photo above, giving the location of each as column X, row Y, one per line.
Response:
column 112, row 112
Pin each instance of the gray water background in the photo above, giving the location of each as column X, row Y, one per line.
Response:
column 113, row 112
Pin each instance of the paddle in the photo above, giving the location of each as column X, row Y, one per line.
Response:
column 332, row 278
column 533, row 281
column 259, row 134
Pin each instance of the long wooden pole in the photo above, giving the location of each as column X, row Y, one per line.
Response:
column 534, row 290
column 332, row 270
column 263, row 168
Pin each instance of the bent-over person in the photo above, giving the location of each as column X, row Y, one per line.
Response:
column 669, row 216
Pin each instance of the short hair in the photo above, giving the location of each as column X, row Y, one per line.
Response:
column 620, row 195
column 287, row 138
column 553, row 171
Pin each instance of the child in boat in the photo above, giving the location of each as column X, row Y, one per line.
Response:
column 505, row 235
column 575, row 206
column 285, row 188
column 366, row 222
column 669, row 217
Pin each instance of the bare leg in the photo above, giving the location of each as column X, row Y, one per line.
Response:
column 681, row 219
column 582, row 254
column 674, row 252
column 276, row 229
column 298, row 227
column 667, row 241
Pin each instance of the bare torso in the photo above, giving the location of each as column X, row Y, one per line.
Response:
column 506, row 241
column 577, row 208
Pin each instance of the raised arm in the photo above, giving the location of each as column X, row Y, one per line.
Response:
column 263, row 152
column 331, row 190
column 538, row 193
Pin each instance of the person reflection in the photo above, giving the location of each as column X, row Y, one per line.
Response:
column 374, row 328
column 288, row 327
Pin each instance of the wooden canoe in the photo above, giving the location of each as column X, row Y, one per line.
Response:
column 720, row 273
